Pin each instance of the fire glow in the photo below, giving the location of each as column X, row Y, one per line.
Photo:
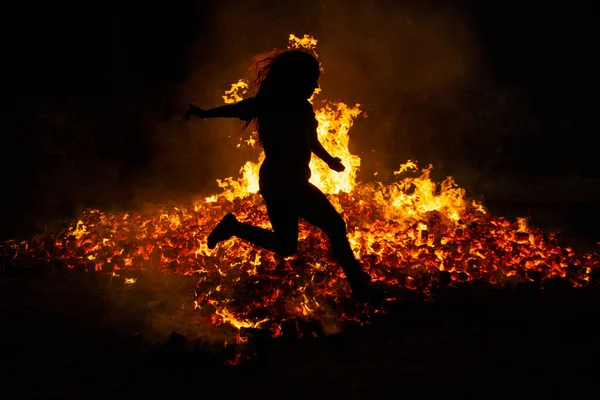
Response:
column 409, row 234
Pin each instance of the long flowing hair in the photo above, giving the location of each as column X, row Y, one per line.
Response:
column 279, row 73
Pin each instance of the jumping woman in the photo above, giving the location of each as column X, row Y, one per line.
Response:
column 287, row 130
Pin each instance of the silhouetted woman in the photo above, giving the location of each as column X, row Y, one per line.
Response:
column 287, row 130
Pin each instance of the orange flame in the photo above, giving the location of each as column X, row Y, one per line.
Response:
column 306, row 42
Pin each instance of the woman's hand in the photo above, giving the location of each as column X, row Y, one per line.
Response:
column 194, row 111
column 336, row 164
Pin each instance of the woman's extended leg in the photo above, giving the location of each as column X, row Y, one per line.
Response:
column 317, row 210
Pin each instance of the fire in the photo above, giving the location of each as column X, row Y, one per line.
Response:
column 413, row 234
column 306, row 42
column 237, row 92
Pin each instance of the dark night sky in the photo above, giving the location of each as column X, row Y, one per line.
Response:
column 88, row 79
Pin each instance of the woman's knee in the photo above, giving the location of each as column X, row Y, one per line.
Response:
column 287, row 248
column 336, row 228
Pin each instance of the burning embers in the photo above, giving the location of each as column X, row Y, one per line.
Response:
column 411, row 234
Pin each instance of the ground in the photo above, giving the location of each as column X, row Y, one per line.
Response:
column 60, row 338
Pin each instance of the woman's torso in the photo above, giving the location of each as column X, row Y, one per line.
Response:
column 285, row 129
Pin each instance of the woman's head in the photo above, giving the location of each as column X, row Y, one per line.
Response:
column 291, row 73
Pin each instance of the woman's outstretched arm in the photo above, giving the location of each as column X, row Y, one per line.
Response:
column 244, row 110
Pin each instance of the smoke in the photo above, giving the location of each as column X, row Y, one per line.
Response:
column 418, row 69
column 116, row 140
column 407, row 64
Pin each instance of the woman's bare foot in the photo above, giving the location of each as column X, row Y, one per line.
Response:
column 223, row 231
